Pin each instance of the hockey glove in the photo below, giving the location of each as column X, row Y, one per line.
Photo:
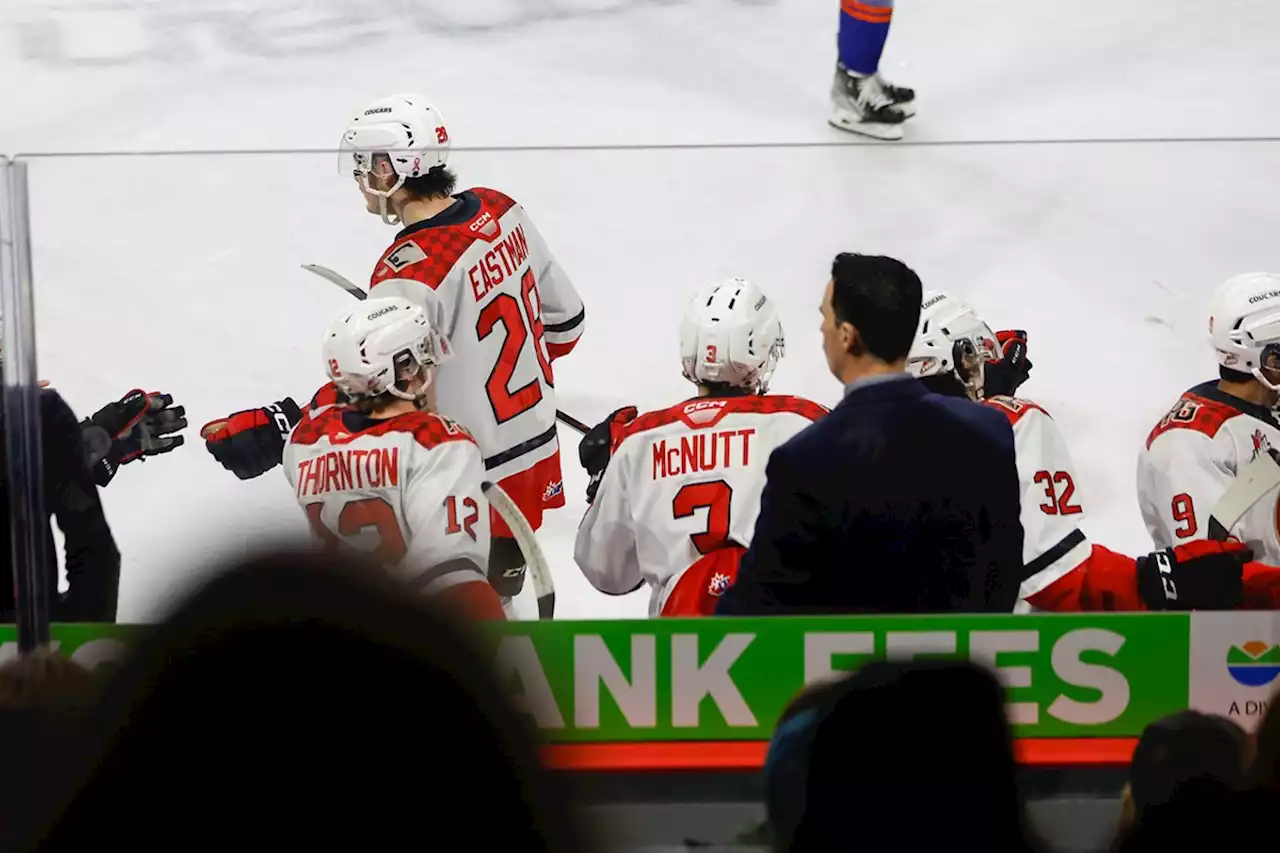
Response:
column 1202, row 575
column 251, row 443
column 136, row 426
column 596, row 447
column 1004, row 377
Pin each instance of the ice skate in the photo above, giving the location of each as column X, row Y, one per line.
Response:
column 860, row 104
column 902, row 97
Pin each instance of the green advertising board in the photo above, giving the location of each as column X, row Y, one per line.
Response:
column 1067, row 676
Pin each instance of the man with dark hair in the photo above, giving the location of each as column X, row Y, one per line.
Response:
column 899, row 500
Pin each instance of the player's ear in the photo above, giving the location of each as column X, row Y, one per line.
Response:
column 851, row 339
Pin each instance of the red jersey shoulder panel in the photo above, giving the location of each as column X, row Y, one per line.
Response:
column 495, row 202
column 708, row 411
column 429, row 254
column 1014, row 408
column 329, row 395
column 428, row 429
column 1196, row 413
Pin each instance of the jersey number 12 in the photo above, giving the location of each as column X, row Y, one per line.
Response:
column 354, row 518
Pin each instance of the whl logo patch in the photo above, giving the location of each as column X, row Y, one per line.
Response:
column 1254, row 664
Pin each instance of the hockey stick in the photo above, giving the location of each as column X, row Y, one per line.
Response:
column 1251, row 485
column 346, row 284
column 544, row 586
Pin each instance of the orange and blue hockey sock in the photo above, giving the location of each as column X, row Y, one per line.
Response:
column 864, row 27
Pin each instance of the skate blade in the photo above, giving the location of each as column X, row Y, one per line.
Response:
column 887, row 132
column 907, row 108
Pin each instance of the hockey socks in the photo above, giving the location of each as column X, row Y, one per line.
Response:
column 864, row 27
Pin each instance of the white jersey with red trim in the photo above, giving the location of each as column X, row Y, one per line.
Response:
column 491, row 286
column 406, row 490
column 1191, row 458
column 682, row 483
column 1052, row 542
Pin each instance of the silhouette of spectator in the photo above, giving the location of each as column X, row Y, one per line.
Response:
column 304, row 702
column 1187, row 760
column 1264, row 771
column 907, row 756
column 43, row 698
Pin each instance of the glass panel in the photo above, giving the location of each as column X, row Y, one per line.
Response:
column 182, row 273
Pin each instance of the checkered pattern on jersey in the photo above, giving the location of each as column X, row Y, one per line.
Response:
column 443, row 245
column 428, row 429
column 754, row 405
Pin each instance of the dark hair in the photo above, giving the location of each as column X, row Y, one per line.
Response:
column 1180, row 748
column 881, row 297
column 438, row 182
column 947, row 384
column 724, row 389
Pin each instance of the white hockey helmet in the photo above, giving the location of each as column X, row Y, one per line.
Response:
column 730, row 334
column 1244, row 323
column 407, row 129
column 370, row 350
column 951, row 337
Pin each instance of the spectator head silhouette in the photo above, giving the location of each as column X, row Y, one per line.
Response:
column 300, row 701
column 1183, row 747
column 913, row 755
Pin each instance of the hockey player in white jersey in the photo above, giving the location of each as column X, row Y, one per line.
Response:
column 475, row 262
column 675, row 493
column 1193, row 455
column 1063, row 570
column 384, row 474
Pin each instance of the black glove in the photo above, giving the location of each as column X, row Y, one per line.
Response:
column 596, row 448
column 136, row 426
column 1201, row 575
column 251, row 443
column 1003, row 377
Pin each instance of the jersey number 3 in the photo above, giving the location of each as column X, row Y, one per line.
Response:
column 716, row 498
column 357, row 516
column 510, row 313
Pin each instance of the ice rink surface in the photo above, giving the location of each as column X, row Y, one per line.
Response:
column 1089, row 172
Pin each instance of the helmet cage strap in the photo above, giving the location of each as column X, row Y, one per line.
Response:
column 387, row 217
column 1269, row 359
column 968, row 366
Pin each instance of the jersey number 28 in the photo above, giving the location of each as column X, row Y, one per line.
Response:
column 354, row 518
column 511, row 314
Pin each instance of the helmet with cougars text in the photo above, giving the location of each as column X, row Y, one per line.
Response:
column 951, row 337
column 730, row 334
column 378, row 347
column 406, row 130
column 1244, row 324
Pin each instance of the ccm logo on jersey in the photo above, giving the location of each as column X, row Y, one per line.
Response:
column 403, row 256
column 486, row 226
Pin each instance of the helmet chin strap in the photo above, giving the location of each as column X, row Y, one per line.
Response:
column 384, row 196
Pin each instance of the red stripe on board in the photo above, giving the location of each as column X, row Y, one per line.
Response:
column 749, row 755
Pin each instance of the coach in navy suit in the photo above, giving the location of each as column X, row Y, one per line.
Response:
column 899, row 500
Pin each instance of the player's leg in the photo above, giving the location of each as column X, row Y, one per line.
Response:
column 533, row 491
column 861, row 100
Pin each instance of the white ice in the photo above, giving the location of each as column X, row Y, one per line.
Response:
column 181, row 272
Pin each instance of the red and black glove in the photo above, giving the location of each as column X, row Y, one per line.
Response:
column 1003, row 377
column 1201, row 575
column 136, row 426
column 596, row 448
column 251, row 443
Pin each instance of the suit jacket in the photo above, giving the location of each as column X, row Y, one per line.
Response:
column 900, row 500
